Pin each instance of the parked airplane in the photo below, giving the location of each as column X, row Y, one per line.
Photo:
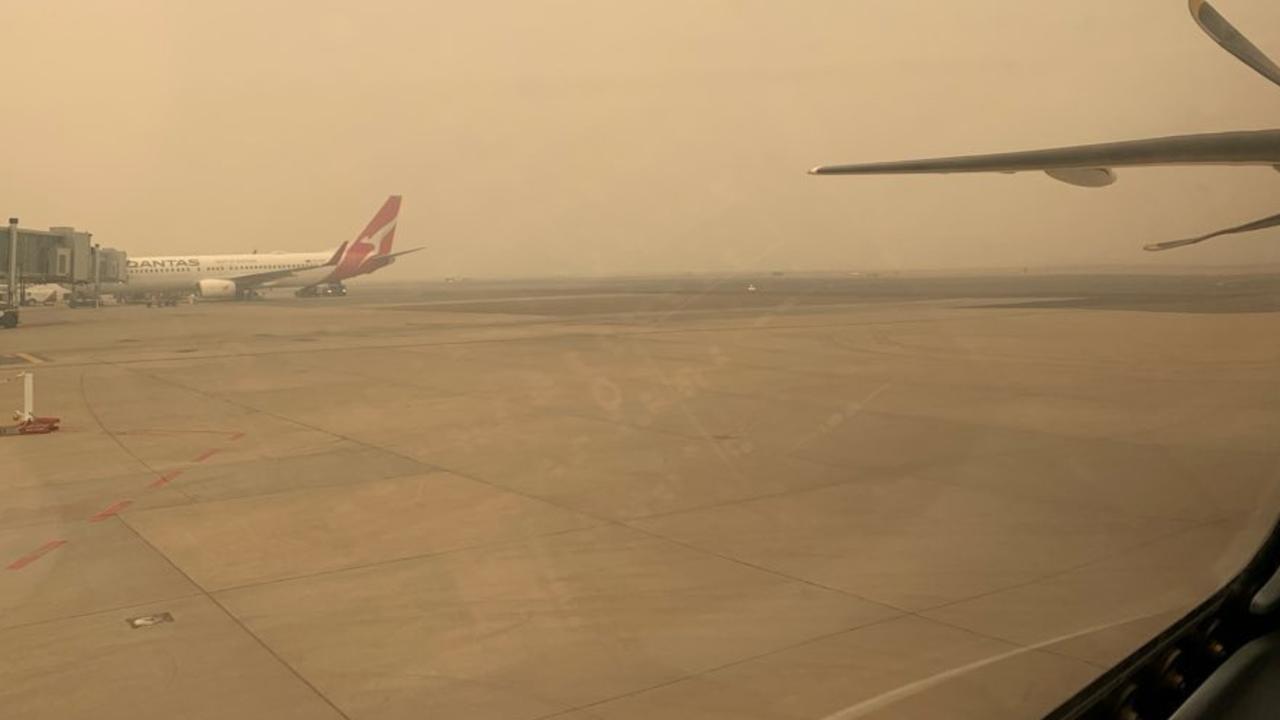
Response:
column 242, row 276
column 1090, row 165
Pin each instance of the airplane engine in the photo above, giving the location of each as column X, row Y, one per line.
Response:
column 216, row 288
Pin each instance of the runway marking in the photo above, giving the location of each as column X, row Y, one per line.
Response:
column 206, row 454
column 36, row 554
column 110, row 510
column 33, row 359
column 165, row 478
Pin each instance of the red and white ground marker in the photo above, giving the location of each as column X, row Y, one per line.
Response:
column 27, row 422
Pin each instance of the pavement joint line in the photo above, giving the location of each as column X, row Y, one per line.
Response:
column 1015, row 649
column 762, row 568
column 1045, row 646
column 790, row 452
column 627, row 524
column 171, row 431
column 1189, row 527
column 908, row 689
column 36, row 554
column 84, row 398
column 724, row 666
column 527, row 496
column 100, row 611
column 779, row 451
column 1024, row 647
column 630, row 331
column 198, row 499
column 278, row 416
column 536, row 410
column 931, row 619
column 508, row 490
column 504, row 542
column 237, row 621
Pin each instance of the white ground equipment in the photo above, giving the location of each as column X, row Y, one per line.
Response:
column 27, row 422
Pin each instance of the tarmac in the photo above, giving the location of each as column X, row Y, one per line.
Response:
column 830, row 497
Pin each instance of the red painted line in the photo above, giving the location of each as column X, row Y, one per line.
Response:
column 110, row 510
column 206, row 454
column 36, row 554
column 165, row 478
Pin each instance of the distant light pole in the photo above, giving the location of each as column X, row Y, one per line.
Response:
column 13, row 260
column 97, row 276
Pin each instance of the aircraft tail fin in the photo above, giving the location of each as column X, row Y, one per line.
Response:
column 373, row 245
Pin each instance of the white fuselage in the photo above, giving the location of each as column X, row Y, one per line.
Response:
column 181, row 274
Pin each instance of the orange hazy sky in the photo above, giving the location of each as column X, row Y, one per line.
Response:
column 588, row 137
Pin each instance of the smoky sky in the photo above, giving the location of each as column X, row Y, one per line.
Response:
column 588, row 137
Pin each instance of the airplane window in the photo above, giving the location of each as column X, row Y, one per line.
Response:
column 785, row 361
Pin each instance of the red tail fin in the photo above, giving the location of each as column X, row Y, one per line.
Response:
column 382, row 228
column 375, row 241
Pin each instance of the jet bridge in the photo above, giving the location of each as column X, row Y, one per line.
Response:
column 59, row 255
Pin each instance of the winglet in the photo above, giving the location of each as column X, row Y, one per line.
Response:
column 1264, row 223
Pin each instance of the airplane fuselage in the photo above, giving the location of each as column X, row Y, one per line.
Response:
column 182, row 274
column 227, row 276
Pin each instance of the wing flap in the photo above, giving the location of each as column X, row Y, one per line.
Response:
column 1267, row 222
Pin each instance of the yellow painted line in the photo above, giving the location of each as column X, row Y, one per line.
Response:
column 29, row 358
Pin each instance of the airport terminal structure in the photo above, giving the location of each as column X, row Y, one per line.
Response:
column 59, row 256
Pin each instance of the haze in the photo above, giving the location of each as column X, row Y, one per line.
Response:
column 588, row 138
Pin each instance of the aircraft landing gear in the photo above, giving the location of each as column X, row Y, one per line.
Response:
column 161, row 301
column 336, row 289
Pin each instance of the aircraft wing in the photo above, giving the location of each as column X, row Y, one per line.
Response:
column 256, row 279
column 1090, row 165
